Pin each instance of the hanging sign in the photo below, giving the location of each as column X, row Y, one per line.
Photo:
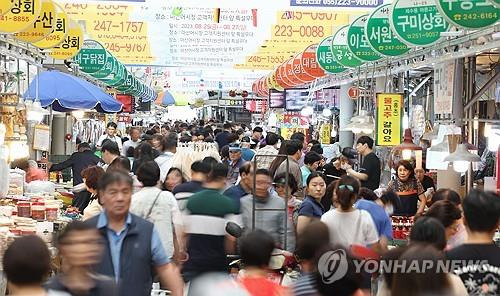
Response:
column 279, row 77
column 127, row 84
column 298, row 70
column 58, row 34
column 496, row 3
column 379, row 33
column 325, row 58
column 43, row 26
column 444, row 76
column 288, row 82
column 71, row 44
column 309, row 62
column 469, row 14
column 92, row 57
column 273, row 83
column 417, row 22
column 290, row 75
column 325, row 132
column 119, row 78
column 5, row 6
column 341, row 53
column 357, row 41
column 389, row 117
column 110, row 67
column 20, row 16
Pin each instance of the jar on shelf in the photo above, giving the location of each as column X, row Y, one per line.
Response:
column 24, row 209
column 51, row 212
column 38, row 211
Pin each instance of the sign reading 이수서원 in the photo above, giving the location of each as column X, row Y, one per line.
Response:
column 389, row 115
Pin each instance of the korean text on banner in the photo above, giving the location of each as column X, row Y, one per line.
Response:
column 443, row 87
column 389, row 115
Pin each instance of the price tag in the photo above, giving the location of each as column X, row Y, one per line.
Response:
column 380, row 36
column 341, row 53
column 20, row 16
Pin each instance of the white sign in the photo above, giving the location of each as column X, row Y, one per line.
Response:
column 443, row 87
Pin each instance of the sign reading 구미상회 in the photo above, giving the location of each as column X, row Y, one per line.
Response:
column 389, row 115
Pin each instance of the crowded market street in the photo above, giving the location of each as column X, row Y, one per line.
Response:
column 253, row 148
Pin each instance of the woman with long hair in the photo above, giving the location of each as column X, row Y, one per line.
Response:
column 279, row 159
column 409, row 189
column 174, row 178
column 348, row 225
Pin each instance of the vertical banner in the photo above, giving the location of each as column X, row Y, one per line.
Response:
column 389, row 117
column 443, row 87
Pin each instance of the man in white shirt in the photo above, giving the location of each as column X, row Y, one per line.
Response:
column 110, row 135
column 135, row 140
column 165, row 159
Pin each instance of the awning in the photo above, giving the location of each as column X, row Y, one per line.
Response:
column 66, row 93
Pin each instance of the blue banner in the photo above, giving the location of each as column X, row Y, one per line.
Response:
column 336, row 3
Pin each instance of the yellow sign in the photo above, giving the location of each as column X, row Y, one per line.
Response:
column 71, row 44
column 59, row 33
column 286, row 132
column 389, row 115
column 42, row 27
column 5, row 6
column 21, row 16
column 272, row 83
column 326, row 131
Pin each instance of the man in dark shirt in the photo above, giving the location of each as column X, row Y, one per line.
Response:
column 244, row 187
column 369, row 172
column 479, row 256
column 221, row 138
column 78, row 161
column 199, row 173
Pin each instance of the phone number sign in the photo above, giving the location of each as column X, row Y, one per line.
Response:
column 336, row 3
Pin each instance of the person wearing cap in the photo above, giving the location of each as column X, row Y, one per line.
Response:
column 246, row 152
column 234, row 163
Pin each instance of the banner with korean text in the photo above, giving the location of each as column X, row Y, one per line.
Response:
column 389, row 119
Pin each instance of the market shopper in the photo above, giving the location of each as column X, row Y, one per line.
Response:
column 156, row 206
column 133, row 248
column 256, row 249
column 110, row 135
column 481, row 218
column 244, row 187
column 33, row 173
column 168, row 150
column 448, row 214
column 221, row 137
column 80, row 248
column 382, row 221
column 268, row 153
column 199, row 174
column 78, row 161
column 91, row 176
column 256, row 137
column 347, row 224
column 286, row 189
column 174, row 178
column 144, row 153
column 409, row 189
column 294, row 152
column 26, row 264
column 234, row 163
column 247, row 153
column 311, row 208
column 205, row 227
column 312, row 240
column 135, row 140
column 269, row 210
column 312, row 162
column 428, row 230
column 426, row 181
column 109, row 152
column 369, row 173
